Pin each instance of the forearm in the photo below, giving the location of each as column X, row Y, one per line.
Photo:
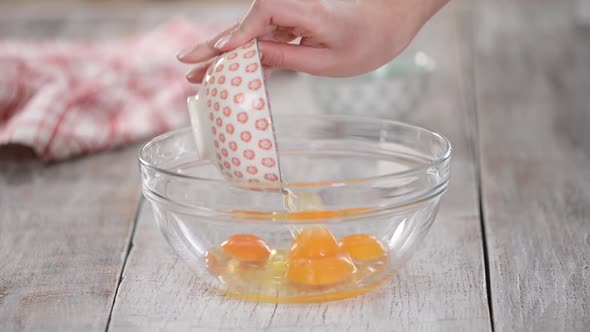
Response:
column 419, row 10
column 431, row 7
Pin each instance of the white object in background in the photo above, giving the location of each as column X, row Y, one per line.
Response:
column 390, row 91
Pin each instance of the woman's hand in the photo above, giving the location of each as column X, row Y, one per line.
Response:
column 338, row 37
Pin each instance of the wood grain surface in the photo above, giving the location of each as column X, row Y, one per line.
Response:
column 510, row 92
column 64, row 230
column 532, row 71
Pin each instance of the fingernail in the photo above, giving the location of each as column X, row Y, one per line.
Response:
column 190, row 75
column 184, row 52
column 222, row 42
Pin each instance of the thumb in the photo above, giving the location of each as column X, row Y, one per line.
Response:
column 307, row 59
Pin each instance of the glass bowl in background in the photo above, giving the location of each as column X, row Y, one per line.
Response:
column 390, row 91
column 349, row 175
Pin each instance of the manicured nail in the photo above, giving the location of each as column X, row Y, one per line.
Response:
column 222, row 42
column 190, row 75
column 183, row 53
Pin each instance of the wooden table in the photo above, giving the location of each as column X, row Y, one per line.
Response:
column 510, row 249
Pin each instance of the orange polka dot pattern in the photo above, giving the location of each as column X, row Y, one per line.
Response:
column 237, row 117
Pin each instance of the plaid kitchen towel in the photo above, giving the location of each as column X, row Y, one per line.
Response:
column 64, row 99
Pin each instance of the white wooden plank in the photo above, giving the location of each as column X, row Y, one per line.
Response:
column 532, row 70
column 63, row 233
column 581, row 12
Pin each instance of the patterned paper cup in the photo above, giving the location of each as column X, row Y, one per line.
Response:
column 231, row 118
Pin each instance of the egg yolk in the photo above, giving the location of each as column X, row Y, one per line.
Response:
column 320, row 271
column 314, row 242
column 316, row 260
column 246, row 248
column 362, row 247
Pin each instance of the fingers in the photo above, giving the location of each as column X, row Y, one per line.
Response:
column 307, row 59
column 264, row 15
column 196, row 74
column 310, row 41
column 280, row 21
column 202, row 51
column 279, row 35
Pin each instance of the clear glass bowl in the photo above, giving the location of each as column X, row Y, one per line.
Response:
column 390, row 92
column 347, row 174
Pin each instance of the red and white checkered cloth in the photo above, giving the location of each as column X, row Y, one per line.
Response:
column 64, row 99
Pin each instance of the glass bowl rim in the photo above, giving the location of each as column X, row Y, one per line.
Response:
column 438, row 160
